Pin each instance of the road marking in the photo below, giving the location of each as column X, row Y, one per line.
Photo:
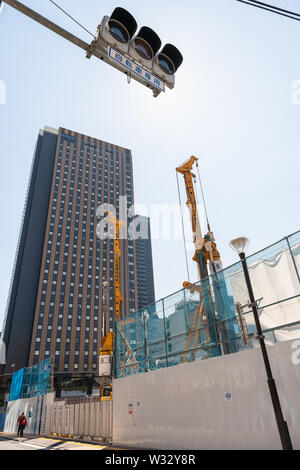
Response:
column 49, row 439
column 85, row 444
column 30, row 445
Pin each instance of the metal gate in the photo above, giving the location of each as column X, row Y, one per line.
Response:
column 85, row 418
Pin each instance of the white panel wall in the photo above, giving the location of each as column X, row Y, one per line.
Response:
column 185, row 407
column 91, row 419
column 37, row 411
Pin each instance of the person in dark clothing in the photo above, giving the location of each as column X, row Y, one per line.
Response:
column 21, row 424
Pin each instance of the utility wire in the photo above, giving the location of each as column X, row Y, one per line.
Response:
column 272, row 9
column 72, row 18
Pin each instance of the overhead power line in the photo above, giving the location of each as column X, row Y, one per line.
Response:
column 272, row 9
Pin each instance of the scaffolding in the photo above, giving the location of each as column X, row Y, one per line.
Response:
column 32, row 381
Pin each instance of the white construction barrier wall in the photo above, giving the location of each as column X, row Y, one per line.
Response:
column 89, row 418
column 37, row 411
column 220, row 403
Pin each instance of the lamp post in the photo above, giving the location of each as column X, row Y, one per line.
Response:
column 145, row 317
column 239, row 245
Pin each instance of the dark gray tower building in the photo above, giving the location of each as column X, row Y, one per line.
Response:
column 55, row 302
column 144, row 266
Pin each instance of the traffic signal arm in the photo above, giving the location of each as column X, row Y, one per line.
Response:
column 47, row 23
column 115, row 43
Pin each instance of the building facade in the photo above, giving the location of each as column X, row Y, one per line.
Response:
column 144, row 265
column 55, row 302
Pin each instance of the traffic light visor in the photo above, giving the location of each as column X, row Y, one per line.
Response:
column 169, row 59
column 122, row 25
column 147, row 43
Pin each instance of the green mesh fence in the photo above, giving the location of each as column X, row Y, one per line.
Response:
column 31, row 381
column 202, row 323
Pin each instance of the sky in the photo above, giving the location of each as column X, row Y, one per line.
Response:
column 235, row 105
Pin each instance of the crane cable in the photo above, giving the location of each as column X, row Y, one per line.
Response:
column 202, row 192
column 73, row 19
column 183, row 231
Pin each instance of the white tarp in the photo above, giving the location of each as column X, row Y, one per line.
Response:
column 273, row 280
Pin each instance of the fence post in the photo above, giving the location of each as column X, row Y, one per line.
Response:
column 293, row 259
column 36, row 415
column 165, row 333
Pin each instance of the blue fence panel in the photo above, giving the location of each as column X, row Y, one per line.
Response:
column 2, row 421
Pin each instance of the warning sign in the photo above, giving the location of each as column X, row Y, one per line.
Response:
column 130, row 408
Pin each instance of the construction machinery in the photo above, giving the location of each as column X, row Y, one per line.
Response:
column 108, row 339
column 215, row 306
column 108, row 334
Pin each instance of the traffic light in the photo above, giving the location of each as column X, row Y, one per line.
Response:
column 118, row 29
column 138, row 54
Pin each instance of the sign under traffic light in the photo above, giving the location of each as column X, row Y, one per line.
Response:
column 138, row 54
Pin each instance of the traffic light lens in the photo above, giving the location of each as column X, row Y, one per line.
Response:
column 166, row 64
column 143, row 49
column 118, row 31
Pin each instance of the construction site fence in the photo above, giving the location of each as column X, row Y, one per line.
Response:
column 82, row 418
column 202, row 322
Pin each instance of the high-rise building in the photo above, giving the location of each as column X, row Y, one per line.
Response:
column 55, row 301
column 144, row 265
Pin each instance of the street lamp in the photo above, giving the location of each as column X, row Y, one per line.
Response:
column 239, row 245
column 145, row 318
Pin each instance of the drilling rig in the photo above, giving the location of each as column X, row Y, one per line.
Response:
column 215, row 305
column 108, row 336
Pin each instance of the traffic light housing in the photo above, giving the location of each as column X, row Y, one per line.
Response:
column 118, row 29
column 167, row 62
column 145, row 46
column 138, row 54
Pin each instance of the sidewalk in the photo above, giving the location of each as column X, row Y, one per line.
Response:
column 54, row 441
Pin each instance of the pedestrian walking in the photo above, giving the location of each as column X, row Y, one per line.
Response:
column 21, row 423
